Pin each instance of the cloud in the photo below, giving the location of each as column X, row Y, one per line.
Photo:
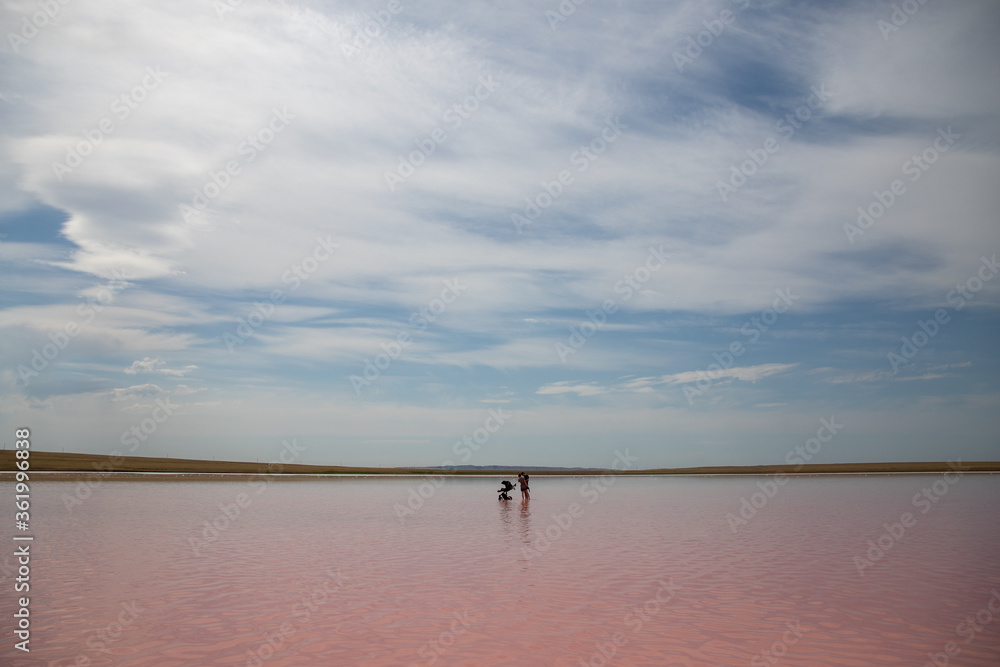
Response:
column 648, row 385
column 147, row 365
column 590, row 389
column 925, row 376
column 123, row 201
column 930, row 373
column 178, row 372
column 151, row 365
column 745, row 373
column 135, row 391
column 866, row 376
column 945, row 367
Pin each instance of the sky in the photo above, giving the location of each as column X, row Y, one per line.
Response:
column 522, row 233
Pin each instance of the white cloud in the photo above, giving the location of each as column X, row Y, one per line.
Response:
column 646, row 385
column 744, row 373
column 135, row 391
column 590, row 389
column 151, row 365
column 146, row 365
column 925, row 376
column 866, row 376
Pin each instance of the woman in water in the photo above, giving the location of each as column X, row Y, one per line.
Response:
column 522, row 479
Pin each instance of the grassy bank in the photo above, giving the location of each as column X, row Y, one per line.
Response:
column 91, row 463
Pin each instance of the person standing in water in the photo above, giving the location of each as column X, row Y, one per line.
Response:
column 522, row 479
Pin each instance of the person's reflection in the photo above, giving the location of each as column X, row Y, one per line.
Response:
column 525, row 527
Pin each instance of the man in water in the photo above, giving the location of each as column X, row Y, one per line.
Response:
column 522, row 479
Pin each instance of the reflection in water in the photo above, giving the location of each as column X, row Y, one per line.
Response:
column 324, row 572
column 506, row 519
column 525, row 524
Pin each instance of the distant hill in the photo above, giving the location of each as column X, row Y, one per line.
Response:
column 76, row 465
column 512, row 468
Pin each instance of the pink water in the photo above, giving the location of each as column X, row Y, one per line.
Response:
column 326, row 573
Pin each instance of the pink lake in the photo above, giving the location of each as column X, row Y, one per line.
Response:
column 644, row 571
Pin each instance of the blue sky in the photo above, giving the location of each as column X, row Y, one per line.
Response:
column 633, row 225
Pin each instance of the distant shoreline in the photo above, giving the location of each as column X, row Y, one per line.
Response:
column 57, row 466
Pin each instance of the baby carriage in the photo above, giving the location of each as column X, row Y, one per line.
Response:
column 505, row 487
